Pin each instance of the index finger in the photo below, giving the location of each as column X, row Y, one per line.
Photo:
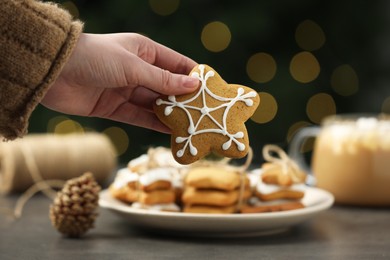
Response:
column 165, row 58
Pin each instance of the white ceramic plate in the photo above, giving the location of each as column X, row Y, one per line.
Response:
column 223, row 225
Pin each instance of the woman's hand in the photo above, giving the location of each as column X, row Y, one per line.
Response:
column 119, row 76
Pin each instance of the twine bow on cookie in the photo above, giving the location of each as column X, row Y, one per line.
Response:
column 288, row 166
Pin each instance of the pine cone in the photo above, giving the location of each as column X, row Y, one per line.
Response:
column 73, row 210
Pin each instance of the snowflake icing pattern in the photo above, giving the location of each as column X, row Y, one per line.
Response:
column 206, row 112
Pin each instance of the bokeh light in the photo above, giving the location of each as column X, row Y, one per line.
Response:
column 261, row 67
column 72, row 8
column 304, row 67
column 320, row 106
column 386, row 105
column 68, row 126
column 54, row 121
column 164, row 7
column 344, row 80
column 294, row 128
column 309, row 36
column 267, row 109
column 308, row 143
column 119, row 138
column 216, row 36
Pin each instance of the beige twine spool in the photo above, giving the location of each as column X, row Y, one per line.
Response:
column 43, row 162
column 54, row 157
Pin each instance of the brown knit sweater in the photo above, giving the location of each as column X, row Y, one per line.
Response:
column 36, row 39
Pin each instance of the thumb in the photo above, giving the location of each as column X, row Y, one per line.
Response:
column 164, row 82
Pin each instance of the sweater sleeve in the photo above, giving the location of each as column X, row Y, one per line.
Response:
column 36, row 39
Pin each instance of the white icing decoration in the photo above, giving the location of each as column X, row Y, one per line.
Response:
column 157, row 174
column 164, row 158
column 139, row 161
column 180, row 140
column 177, row 179
column 226, row 145
column 180, row 153
column 193, row 150
column 206, row 112
column 241, row 146
column 264, row 188
column 168, row 111
column 123, row 177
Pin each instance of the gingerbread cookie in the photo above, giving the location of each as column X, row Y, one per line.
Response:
column 213, row 178
column 209, row 209
column 156, row 179
column 271, row 208
column 153, row 197
column 275, row 174
column 192, row 196
column 154, row 186
column 273, row 192
column 214, row 189
column 209, row 120
column 124, row 186
column 274, row 185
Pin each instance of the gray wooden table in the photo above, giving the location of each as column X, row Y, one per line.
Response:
column 338, row 233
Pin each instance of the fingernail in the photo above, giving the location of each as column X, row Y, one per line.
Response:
column 191, row 82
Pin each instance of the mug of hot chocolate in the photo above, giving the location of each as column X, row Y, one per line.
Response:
column 350, row 158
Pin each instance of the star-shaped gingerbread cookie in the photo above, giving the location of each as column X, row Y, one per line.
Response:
column 210, row 119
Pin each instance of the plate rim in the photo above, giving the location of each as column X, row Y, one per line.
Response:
column 324, row 204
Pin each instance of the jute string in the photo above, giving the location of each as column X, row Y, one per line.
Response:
column 56, row 157
column 242, row 171
column 45, row 186
column 43, row 162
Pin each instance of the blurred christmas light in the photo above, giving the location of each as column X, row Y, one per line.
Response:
column 164, row 7
column 344, row 80
column 119, row 138
column 72, row 8
column 304, row 67
column 216, row 36
column 68, row 126
column 267, row 109
column 309, row 36
column 261, row 67
column 293, row 129
column 53, row 122
column 320, row 106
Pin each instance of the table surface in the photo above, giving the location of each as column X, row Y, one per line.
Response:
column 338, row 233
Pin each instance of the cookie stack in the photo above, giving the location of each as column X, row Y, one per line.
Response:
column 152, row 189
column 213, row 189
column 278, row 189
column 125, row 186
column 156, row 189
column 150, row 181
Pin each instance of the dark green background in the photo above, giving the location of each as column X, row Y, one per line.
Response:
column 357, row 33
